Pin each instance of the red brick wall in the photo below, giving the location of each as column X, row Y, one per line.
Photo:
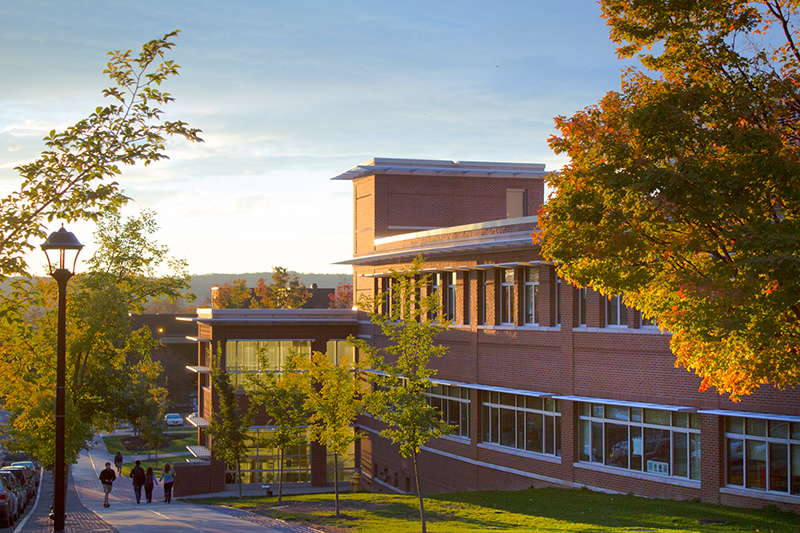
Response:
column 198, row 478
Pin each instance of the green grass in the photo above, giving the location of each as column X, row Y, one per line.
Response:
column 544, row 510
column 177, row 443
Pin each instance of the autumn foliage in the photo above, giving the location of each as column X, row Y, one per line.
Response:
column 681, row 189
column 286, row 291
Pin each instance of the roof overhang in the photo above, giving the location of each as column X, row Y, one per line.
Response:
column 411, row 167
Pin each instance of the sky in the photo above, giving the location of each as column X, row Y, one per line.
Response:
column 291, row 93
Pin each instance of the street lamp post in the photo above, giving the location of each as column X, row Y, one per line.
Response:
column 61, row 241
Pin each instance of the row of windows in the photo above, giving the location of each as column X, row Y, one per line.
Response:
column 522, row 422
column 453, row 404
column 616, row 312
column 656, row 441
column 763, row 455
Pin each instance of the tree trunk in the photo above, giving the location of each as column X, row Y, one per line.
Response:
column 239, row 477
column 280, row 478
column 419, row 492
column 336, row 480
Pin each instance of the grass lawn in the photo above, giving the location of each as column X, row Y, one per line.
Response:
column 174, row 442
column 545, row 510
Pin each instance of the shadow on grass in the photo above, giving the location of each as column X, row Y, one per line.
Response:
column 556, row 510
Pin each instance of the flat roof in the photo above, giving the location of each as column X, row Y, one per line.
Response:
column 386, row 165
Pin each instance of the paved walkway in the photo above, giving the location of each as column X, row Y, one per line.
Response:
column 85, row 511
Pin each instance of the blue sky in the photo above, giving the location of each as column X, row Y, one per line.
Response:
column 289, row 94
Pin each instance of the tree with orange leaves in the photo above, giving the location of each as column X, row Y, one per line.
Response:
column 681, row 192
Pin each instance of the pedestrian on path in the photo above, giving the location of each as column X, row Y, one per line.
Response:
column 137, row 473
column 107, row 478
column 118, row 462
column 168, row 477
column 150, row 481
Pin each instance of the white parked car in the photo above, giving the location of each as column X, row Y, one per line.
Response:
column 174, row 419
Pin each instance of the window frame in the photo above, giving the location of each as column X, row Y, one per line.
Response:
column 531, row 303
column 524, row 410
column 507, row 297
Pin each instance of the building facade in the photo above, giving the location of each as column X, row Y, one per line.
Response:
column 549, row 384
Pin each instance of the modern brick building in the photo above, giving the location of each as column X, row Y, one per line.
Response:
column 549, row 384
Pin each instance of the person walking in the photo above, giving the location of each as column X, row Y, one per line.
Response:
column 118, row 462
column 168, row 477
column 137, row 473
column 150, row 481
column 107, row 478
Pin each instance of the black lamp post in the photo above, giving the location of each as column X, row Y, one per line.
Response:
column 61, row 241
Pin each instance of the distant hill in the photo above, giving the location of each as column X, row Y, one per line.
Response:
column 201, row 284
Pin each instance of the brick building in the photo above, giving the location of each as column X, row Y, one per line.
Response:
column 549, row 384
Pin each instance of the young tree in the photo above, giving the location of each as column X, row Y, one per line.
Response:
column 73, row 178
column 402, row 376
column 333, row 401
column 285, row 292
column 110, row 375
column 229, row 426
column 680, row 189
column 342, row 298
column 283, row 404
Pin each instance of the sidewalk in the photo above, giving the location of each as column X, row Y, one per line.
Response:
column 85, row 511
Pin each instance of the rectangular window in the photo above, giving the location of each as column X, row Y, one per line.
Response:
column 522, row 422
column 762, row 455
column 467, row 303
column 453, row 405
column 662, row 442
column 532, row 295
column 484, row 292
column 582, row 306
column 341, row 353
column 449, row 295
column 244, row 356
column 616, row 311
column 435, row 288
column 507, row 296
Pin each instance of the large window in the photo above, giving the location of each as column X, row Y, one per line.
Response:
column 341, row 353
column 532, row 295
column 582, row 307
column 449, row 295
column 262, row 464
column 467, row 304
column 522, row 422
column 453, row 404
column 507, row 296
column 763, row 455
column 616, row 312
column 656, row 441
column 436, row 289
column 243, row 356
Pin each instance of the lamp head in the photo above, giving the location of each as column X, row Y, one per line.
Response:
column 61, row 241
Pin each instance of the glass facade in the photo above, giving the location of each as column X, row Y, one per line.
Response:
column 522, row 422
column 243, row 356
column 262, row 464
column 341, row 353
column 656, row 441
column 763, row 455
column 453, row 404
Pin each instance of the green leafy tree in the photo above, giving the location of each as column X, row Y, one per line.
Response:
column 403, row 373
column 74, row 177
column 229, row 426
column 230, row 295
column 680, row 192
column 284, row 405
column 333, row 401
column 110, row 375
column 285, row 292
